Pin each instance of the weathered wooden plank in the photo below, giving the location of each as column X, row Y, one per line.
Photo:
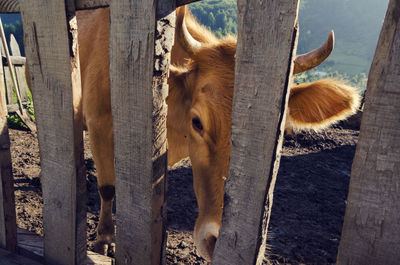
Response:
column 185, row 2
column 12, row 108
column 139, row 59
column 3, row 84
column 88, row 4
column 14, row 47
column 8, row 237
column 7, row 258
column 23, row 87
column 12, row 6
column 9, row 86
column 19, row 71
column 31, row 245
column 54, row 74
column 371, row 229
column 264, row 52
column 15, row 60
column 9, row 6
column 97, row 259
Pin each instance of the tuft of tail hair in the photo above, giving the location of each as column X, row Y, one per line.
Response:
column 317, row 105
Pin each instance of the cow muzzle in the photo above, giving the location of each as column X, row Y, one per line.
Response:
column 205, row 236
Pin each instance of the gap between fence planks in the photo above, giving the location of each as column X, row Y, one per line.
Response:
column 54, row 72
column 264, row 52
column 371, row 229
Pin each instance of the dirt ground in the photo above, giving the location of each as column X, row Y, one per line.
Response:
column 307, row 215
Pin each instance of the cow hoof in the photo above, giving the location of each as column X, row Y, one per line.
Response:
column 205, row 237
column 105, row 248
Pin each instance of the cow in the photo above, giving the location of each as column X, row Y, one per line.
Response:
column 200, row 96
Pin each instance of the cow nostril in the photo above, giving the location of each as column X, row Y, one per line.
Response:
column 210, row 241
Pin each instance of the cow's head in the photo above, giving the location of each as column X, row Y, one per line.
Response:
column 207, row 81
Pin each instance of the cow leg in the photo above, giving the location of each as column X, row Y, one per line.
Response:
column 101, row 141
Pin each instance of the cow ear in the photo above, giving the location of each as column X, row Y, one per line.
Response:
column 316, row 105
column 178, row 81
column 176, row 76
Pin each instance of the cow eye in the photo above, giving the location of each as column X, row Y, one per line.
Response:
column 196, row 123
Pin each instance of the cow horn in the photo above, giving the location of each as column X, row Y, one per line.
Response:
column 314, row 58
column 9, row 6
column 189, row 44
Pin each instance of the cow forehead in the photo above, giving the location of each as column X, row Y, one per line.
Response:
column 218, row 55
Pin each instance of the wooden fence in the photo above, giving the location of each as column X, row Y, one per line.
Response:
column 13, row 74
column 371, row 232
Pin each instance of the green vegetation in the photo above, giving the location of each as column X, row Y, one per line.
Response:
column 357, row 80
column 220, row 16
column 356, row 23
column 14, row 121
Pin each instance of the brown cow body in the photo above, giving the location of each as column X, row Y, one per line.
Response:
column 199, row 114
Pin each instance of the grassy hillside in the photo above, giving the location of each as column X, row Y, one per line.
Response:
column 356, row 24
column 220, row 16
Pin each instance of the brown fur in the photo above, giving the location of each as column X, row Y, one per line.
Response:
column 319, row 104
column 201, row 88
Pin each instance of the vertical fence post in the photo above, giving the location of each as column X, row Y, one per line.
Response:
column 8, row 228
column 371, row 229
column 51, row 49
column 263, row 74
column 142, row 34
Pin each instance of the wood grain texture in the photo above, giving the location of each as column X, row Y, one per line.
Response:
column 9, row 87
column 12, row 6
column 19, row 71
column 89, row 4
column 9, row 6
column 8, row 236
column 7, row 258
column 30, row 245
column 371, row 229
column 185, row 2
column 51, row 56
column 263, row 73
column 23, row 87
column 15, row 60
column 139, row 56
